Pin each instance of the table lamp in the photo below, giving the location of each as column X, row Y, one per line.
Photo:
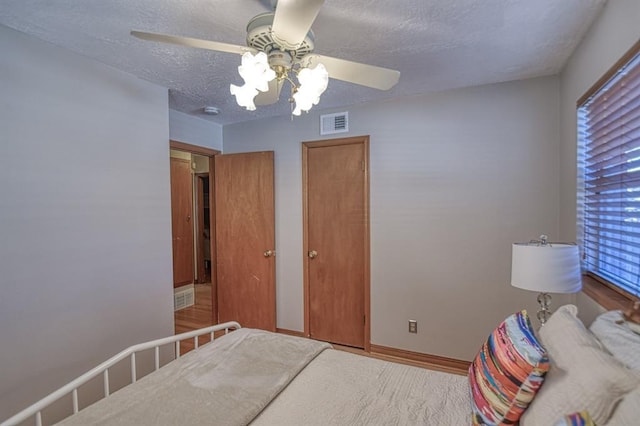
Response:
column 546, row 268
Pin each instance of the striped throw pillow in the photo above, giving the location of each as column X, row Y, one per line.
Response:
column 507, row 372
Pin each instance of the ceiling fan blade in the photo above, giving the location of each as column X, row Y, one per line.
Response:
column 354, row 72
column 193, row 42
column 293, row 19
column 272, row 95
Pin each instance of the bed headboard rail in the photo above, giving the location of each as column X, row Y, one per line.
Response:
column 72, row 387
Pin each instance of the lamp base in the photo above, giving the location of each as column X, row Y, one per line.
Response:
column 544, row 299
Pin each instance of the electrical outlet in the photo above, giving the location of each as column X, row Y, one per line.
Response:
column 413, row 326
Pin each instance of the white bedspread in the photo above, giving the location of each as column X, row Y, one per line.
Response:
column 225, row 383
column 231, row 381
column 340, row 388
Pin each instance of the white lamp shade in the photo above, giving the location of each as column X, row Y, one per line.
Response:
column 550, row 268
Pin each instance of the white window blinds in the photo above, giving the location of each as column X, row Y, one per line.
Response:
column 609, row 138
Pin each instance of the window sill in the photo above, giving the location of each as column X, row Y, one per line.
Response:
column 603, row 295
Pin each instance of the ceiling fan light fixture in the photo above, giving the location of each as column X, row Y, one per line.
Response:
column 313, row 82
column 284, row 44
column 244, row 95
column 256, row 73
column 255, row 70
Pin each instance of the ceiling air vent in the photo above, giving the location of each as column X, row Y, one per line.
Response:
column 334, row 123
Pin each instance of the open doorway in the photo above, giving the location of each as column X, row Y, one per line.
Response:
column 193, row 219
column 240, row 195
column 203, row 231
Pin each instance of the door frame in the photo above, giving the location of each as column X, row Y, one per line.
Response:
column 364, row 140
column 211, row 153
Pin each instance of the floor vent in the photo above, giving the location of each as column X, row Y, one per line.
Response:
column 334, row 123
column 182, row 299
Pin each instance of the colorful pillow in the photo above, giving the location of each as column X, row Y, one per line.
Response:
column 507, row 372
column 576, row 419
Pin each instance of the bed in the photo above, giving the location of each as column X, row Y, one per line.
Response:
column 260, row 378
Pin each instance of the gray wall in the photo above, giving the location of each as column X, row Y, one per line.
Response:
column 612, row 34
column 456, row 177
column 85, row 222
column 194, row 130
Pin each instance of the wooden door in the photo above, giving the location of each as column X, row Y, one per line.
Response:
column 245, row 234
column 181, row 221
column 337, row 241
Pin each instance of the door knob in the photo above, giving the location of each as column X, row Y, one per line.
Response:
column 269, row 253
column 312, row 254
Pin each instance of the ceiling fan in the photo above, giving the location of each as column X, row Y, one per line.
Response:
column 280, row 47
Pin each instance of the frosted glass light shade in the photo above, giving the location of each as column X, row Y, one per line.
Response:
column 244, row 95
column 550, row 268
column 313, row 82
column 257, row 74
column 255, row 71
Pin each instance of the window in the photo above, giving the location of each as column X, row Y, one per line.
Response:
column 609, row 179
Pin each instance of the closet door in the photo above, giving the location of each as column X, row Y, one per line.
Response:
column 245, row 235
column 337, row 241
column 181, row 221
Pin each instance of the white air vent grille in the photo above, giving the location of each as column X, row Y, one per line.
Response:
column 182, row 299
column 334, row 123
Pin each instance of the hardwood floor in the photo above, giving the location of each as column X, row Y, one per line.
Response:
column 436, row 366
column 195, row 317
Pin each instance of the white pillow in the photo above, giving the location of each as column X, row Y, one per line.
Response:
column 634, row 327
column 627, row 412
column 618, row 338
column 565, row 329
column 582, row 376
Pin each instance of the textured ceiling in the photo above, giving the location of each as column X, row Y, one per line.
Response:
column 435, row 44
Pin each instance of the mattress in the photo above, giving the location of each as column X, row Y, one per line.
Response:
column 341, row 388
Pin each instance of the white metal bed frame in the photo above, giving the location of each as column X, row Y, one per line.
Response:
column 130, row 352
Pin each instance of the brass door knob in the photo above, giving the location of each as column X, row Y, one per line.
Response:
column 312, row 254
column 269, row 253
